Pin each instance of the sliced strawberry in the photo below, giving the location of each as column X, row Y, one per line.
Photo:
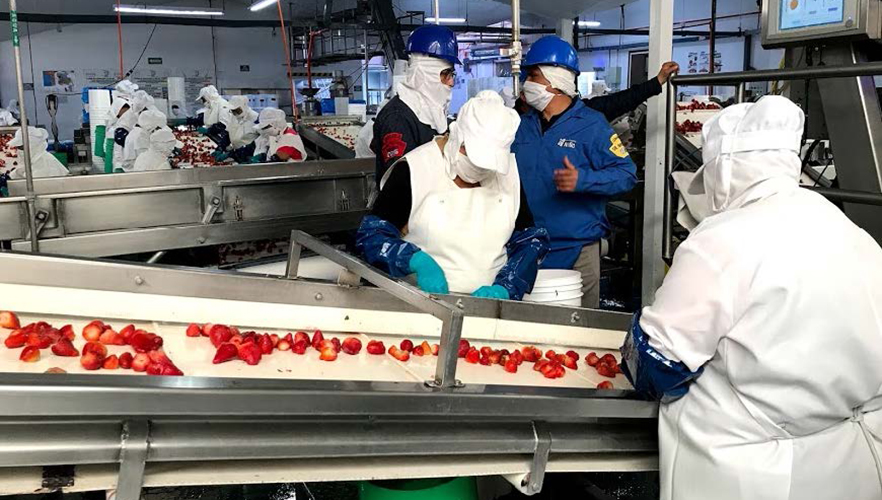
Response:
column 53, row 335
column 399, row 354
column 406, row 345
column 604, row 370
column 568, row 362
column 275, row 338
column 68, row 332
column 550, row 354
column 127, row 332
column 141, row 342
column 510, row 366
column 236, row 340
column 219, row 334
column 265, row 343
column 125, row 360
column 351, row 346
column 30, row 354
column 16, row 339
column 494, row 357
column 96, row 348
column 302, row 336
column 606, row 384
column 159, row 356
column 336, row 343
column 376, row 347
column 110, row 337
column 9, row 319
column 317, row 338
column 592, row 359
column 92, row 332
column 435, row 349
column 540, row 364
column 171, row 371
column 300, row 347
column 284, row 345
column 417, row 351
column 65, row 347
column 573, row 354
column 225, row 352
column 328, row 353
column 140, row 362
column 39, row 341
column 250, row 353
column 206, row 329
column 193, row 330
column 111, row 362
column 463, row 348
column 154, row 369
column 517, row 357
column 289, row 338
column 472, row 356
column 91, row 361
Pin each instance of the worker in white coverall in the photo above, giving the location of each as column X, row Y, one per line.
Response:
column 764, row 344
column 234, row 134
column 138, row 139
column 43, row 164
column 126, row 122
column 213, row 106
column 162, row 146
column 366, row 136
column 276, row 141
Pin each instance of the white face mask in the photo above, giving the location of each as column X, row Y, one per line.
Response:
column 469, row 172
column 537, row 95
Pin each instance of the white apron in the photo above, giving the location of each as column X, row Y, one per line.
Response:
column 285, row 139
column 464, row 230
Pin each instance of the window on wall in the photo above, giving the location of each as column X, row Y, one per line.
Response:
column 378, row 82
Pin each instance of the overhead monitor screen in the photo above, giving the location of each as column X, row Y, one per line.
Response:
column 803, row 13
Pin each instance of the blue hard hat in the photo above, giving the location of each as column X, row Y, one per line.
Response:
column 436, row 41
column 553, row 51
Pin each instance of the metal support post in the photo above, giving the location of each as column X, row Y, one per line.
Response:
column 739, row 93
column 516, row 47
column 436, row 7
column 536, row 477
column 661, row 26
column 132, row 458
column 450, row 315
column 712, row 42
column 670, row 153
column 364, row 75
column 26, row 140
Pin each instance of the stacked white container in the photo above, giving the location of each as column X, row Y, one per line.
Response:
column 557, row 287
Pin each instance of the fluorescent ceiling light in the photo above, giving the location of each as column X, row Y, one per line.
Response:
column 261, row 4
column 165, row 10
column 448, row 20
column 589, row 24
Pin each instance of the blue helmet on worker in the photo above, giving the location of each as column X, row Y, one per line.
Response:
column 552, row 50
column 435, row 41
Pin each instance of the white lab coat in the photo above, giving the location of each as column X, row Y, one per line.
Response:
column 43, row 164
column 364, row 139
column 240, row 127
column 151, row 160
column 778, row 295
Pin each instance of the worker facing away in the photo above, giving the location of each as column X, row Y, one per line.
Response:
column 768, row 366
column 571, row 163
column 419, row 112
column 43, row 164
column 162, row 147
column 366, row 135
column 213, row 106
column 276, row 141
column 452, row 211
column 234, row 134
column 138, row 140
column 126, row 122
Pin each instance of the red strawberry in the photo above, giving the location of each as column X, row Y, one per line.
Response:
column 141, row 342
column 608, row 358
column 125, row 360
column 427, row 347
column 485, row 360
column 375, row 347
column 504, row 352
column 159, row 356
column 299, row 347
column 30, row 354
column 284, row 345
column 569, row 362
column 472, row 356
column 463, row 348
column 237, row 340
column 486, row 350
column 302, row 336
column 91, row 361
column 289, row 339
column 265, row 344
column 111, row 362
column 399, row 354
column 154, row 369
column 193, row 330
column 517, row 357
column 275, row 338
column 95, row 348
column 171, row 370
column 92, row 332
column 38, row 340
column 510, row 366
column 604, row 370
column 225, row 352
column 68, row 332
column 406, row 345
column 435, row 349
column 317, row 338
column 336, row 343
column 16, row 339
column 53, row 335
column 219, row 334
column 538, row 365
column 206, row 329
column 328, row 353
column 530, row 354
column 592, row 359
column 550, row 354
column 64, row 347
column 351, row 346
column 110, row 337
column 9, row 319
column 606, row 384
column 418, row 351
column 495, row 357
column 250, row 353
column 573, row 354
column 140, row 362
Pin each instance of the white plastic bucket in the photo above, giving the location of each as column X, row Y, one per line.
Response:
column 549, row 278
column 562, row 288
column 554, row 296
column 560, row 301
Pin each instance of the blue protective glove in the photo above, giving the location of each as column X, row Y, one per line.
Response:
column 258, row 158
column 202, row 130
column 430, row 276
column 491, row 292
column 219, row 155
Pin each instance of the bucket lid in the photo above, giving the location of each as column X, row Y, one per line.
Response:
column 557, row 277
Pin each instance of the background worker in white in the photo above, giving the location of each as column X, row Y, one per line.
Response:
column 213, row 106
column 771, row 319
column 235, row 132
column 162, row 145
column 43, row 164
column 138, row 139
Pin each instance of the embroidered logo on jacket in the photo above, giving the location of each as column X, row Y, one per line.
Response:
column 567, row 143
column 616, row 147
column 393, row 145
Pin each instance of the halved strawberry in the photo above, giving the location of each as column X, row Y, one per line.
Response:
column 225, row 352
column 337, row 344
column 517, row 357
column 284, row 345
column 435, row 349
column 604, row 370
column 608, row 358
column 351, row 346
column 573, row 354
column 171, row 371
column 485, row 360
column 300, row 347
column 65, row 347
column 568, row 361
column 193, row 330
column 494, row 357
column 92, row 332
column 317, row 338
column 266, row 344
column 38, row 340
column 328, row 353
column 472, row 356
column 206, row 329
column 302, row 336
column 463, row 348
column 141, row 342
column 234, row 330
column 68, row 332
column 125, row 360
column 289, row 338
column 111, row 362
column 275, row 338
column 9, row 319
column 110, row 337
column 250, row 353
column 154, row 369
column 531, row 354
column 30, row 354
column 159, row 356
column 510, row 366
column 376, row 347
column 236, row 340
column 406, row 345
column 592, row 359
column 427, row 347
column 53, row 335
column 606, row 384
column 486, row 350
column 539, row 365
column 550, row 354
column 127, row 332
column 399, row 354
column 91, row 361
column 140, row 362
column 16, row 339
column 219, row 334
column 96, row 348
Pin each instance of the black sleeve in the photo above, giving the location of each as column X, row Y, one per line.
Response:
column 525, row 216
column 395, row 199
column 619, row 103
column 393, row 138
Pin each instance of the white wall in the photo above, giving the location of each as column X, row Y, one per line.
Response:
column 185, row 51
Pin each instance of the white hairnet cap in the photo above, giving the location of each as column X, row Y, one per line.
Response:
column 487, row 128
column 238, row 102
column 272, row 116
column 209, row 92
column 117, row 105
column 151, row 119
column 165, row 136
column 34, row 134
column 126, row 87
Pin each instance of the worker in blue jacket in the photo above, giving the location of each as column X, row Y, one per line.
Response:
column 570, row 161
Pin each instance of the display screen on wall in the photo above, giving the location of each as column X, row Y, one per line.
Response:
column 795, row 14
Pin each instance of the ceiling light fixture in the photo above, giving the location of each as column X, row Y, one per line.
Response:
column 261, row 4
column 589, row 24
column 169, row 11
column 447, row 20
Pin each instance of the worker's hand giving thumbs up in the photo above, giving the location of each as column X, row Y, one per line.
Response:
column 566, row 179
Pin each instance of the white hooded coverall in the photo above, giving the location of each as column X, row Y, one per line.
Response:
column 43, row 164
column 778, row 295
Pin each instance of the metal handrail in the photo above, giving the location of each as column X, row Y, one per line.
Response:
column 738, row 79
column 451, row 316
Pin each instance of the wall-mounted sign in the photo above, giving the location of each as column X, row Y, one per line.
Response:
column 154, row 60
column 244, row 68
